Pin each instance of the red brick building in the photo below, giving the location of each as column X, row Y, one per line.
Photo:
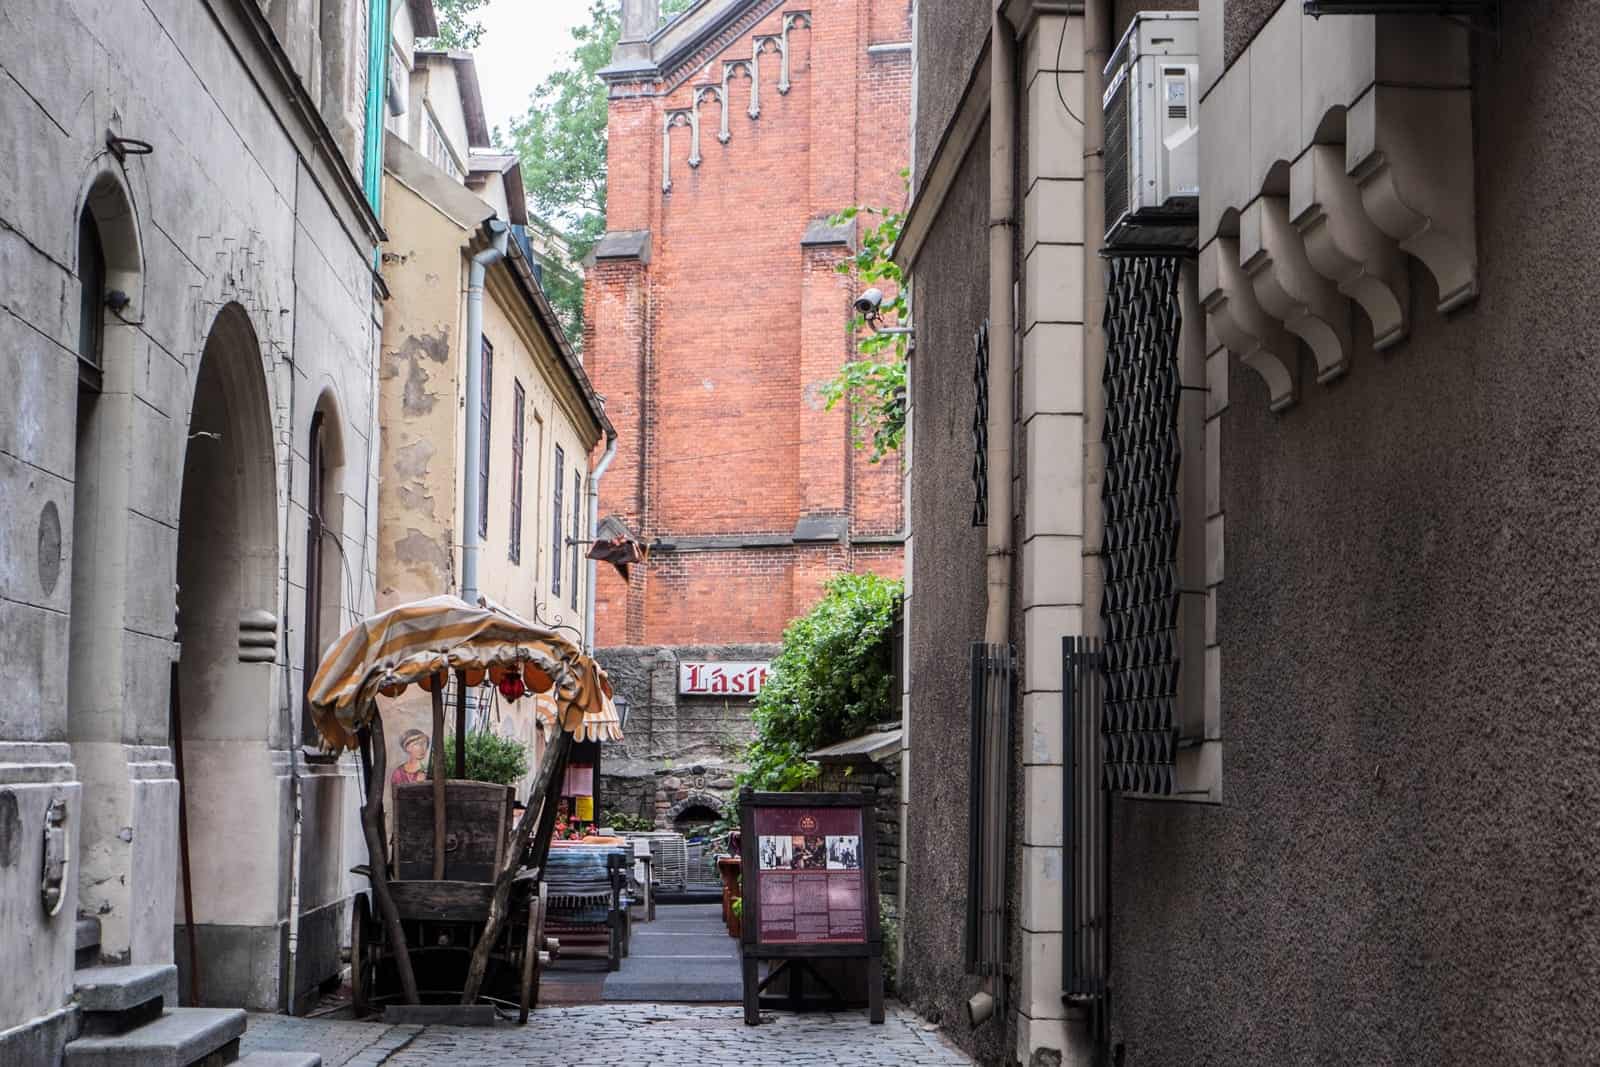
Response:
column 715, row 314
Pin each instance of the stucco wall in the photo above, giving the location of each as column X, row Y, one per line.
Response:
column 1402, row 868
column 947, row 603
column 950, row 35
column 423, row 388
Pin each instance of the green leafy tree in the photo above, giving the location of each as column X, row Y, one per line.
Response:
column 458, row 28
column 561, row 140
column 490, row 758
column 875, row 384
column 832, row 680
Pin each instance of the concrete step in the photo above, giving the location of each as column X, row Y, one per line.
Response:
column 88, row 946
column 116, row 989
column 180, row 1038
column 279, row 1059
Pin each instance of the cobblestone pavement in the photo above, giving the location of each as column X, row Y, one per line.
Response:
column 637, row 1035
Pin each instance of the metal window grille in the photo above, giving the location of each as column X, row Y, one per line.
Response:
column 577, row 508
column 993, row 702
column 519, row 404
column 91, row 302
column 317, row 476
column 555, row 556
column 1140, row 495
column 980, row 426
column 484, row 438
column 1085, row 815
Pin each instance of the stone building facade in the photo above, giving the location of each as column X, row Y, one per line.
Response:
column 445, row 192
column 1378, row 507
column 677, row 762
column 188, row 233
column 735, row 131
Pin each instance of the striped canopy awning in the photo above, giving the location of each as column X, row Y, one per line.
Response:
column 414, row 643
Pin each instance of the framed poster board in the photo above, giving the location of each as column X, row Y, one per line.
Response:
column 809, row 873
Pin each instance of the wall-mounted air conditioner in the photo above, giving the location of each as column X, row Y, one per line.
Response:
column 1151, row 145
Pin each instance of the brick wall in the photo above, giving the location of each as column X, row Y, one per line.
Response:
column 711, row 349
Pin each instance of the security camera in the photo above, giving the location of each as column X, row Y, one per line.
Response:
column 869, row 302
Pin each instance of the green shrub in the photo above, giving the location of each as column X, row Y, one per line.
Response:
column 490, row 758
column 623, row 822
column 832, row 681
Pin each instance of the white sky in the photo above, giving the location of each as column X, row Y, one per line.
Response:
column 523, row 41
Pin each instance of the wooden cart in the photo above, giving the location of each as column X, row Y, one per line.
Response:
column 457, row 914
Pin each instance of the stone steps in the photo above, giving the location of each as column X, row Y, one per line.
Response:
column 88, row 944
column 180, row 1037
column 130, row 1018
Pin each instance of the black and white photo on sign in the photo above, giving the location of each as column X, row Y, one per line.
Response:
column 776, row 853
column 844, row 853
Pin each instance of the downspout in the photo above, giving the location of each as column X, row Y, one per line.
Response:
column 471, row 504
column 1096, row 50
column 594, row 528
column 1002, row 283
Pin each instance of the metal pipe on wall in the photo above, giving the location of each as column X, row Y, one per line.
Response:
column 1096, row 50
column 594, row 526
column 998, row 546
column 471, row 502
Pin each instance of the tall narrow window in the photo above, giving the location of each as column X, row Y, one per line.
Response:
column 91, row 302
column 484, row 438
column 318, row 478
column 555, row 554
column 518, row 405
column 577, row 508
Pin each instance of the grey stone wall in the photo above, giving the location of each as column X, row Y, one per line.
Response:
column 950, row 35
column 1402, row 868
column 676, row 747
column 947, row 602
column 851, row 775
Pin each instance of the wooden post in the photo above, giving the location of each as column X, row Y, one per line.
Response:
column 544, row 789
column 461, row 724
column 438, row 772
column 378, row 862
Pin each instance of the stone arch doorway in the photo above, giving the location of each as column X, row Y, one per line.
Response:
column 695, row 811
column 110, row 717
column 227, row 677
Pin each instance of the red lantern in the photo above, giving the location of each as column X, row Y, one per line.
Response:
column 511, row 686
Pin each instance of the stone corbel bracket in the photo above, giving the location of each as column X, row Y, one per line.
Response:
column 1242, row 325
column 1409, row 151
column 1289, row 289
column 683, row 116
column 1345, row 246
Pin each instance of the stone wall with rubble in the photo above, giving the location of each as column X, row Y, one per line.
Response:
column 854, row 773
column 681, row 753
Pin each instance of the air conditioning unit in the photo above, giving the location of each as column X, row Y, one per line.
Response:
column 1152, row 152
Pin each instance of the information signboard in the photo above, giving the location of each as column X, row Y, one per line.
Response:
column 810, row 889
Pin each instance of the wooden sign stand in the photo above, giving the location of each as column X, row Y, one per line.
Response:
column 796, row 957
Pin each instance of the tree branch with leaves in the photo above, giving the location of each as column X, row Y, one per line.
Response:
column 874, row 385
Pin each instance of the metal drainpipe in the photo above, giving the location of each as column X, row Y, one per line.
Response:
column 471, row 504
column 594, row 526
column 1002, row 281
column 1096, row 49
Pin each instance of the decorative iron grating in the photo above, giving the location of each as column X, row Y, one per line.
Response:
column 993, row 705
column 1086, row 819
column 980, row 426
column 1142, row 524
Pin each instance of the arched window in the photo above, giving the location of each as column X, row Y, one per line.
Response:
column 91, row 303
column 322, row 573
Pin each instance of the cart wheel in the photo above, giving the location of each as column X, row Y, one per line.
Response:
column 363, row 958
column 530, row 958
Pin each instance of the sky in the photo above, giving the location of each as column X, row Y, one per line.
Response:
column 523, row 41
